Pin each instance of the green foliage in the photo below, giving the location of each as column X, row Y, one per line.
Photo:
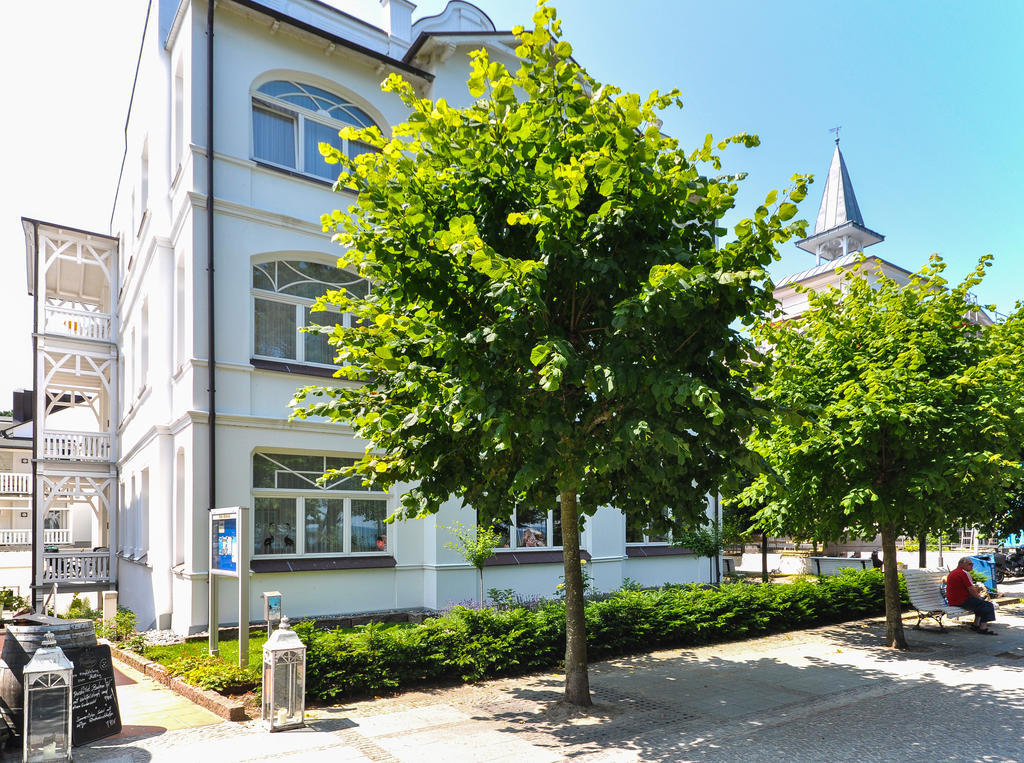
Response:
column 551, row 277
column 505, row 598
column 589, row 589
column 555, row 308
column 121, row 628
column 216, row 673
column 80, row 608
column 703, row 540
column 471, row 645
column 628, row 584
column 894, row 409
column 895, row 414
column 9, row 600
column 475, row 546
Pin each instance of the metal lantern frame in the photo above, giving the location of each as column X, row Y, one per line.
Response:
column 284, row 651
column 47, row 671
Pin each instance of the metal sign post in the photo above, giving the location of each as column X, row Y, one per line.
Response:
column 230, row 548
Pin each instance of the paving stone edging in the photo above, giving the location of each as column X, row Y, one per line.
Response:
column 218, row 704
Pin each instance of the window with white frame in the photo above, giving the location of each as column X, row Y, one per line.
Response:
column 294, row 513
column 291, row 119
column 283, row 294
column 531, row 528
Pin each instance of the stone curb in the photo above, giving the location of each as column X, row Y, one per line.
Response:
column 218, row 704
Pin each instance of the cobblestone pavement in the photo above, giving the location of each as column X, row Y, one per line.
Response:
column 831, row 693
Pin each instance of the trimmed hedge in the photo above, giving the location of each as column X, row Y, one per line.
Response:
column 471, row 645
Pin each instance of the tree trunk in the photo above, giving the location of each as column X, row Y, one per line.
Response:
column 922, row 550
column 577, row 683
column 480, row 570
column 894, row 636
column 764, row 557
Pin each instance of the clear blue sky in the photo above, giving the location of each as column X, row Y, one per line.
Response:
column 929, row 96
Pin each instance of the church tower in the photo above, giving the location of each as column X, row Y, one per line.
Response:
column 839, row 229
column 839, row 237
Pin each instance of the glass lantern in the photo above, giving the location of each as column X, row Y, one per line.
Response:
column 284, row 679
column 47, row 682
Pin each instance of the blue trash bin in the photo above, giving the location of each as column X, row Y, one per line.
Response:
column 986, row 565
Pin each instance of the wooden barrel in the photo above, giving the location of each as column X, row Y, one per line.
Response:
column 22, row 641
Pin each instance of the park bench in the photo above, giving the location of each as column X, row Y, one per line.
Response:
column 926, row 596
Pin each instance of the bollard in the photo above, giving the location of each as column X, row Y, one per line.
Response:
column 109, row 605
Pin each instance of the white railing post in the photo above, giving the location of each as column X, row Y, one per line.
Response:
column 15, row 482
column 71, row 567
column 77, row 323
column 15, row 537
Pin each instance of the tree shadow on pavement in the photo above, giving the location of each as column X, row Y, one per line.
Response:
column 805, row 707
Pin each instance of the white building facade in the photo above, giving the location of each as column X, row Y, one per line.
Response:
column 205, row 303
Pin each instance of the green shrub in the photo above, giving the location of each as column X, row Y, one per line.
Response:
column 80, row 609
column 474, row 644
column 120, row 629
column 9, row 600
column 208, row 672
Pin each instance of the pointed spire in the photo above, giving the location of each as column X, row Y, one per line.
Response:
column 840, row 227
column 838, row 202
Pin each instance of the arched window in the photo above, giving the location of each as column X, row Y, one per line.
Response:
column 283, row 293
column 290, row 120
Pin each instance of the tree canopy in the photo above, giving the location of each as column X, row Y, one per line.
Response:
column 553, row 318
column 896, row 414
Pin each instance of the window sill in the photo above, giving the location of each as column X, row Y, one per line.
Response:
column 319, row 564
column 522, row 556
column 292, row 367
column 643, row 552
column 315, row 179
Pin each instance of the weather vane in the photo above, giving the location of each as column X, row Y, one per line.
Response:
column 835, row 131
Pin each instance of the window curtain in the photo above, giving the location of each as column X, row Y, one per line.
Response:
column 273, row 137
column 313, row 160
column 275, row 329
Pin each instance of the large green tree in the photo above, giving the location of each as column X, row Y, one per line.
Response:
column 895, row 415
column 553, row 317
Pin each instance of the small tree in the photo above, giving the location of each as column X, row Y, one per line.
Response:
column 703, row 540
column 476, row 547
column 907, row 422
column 554, row 316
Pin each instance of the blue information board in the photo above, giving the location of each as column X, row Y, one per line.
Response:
column 225, row 544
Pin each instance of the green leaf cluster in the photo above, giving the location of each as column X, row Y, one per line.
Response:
column 556, row 304
column 898, row 406
column 476, row 546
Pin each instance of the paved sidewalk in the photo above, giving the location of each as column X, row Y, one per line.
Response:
column 827, row 694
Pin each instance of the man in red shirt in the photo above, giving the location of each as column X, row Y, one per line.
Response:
column 962, row 592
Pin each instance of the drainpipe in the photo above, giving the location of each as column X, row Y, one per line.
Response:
column 718, row 529
column 212, row 364
column 36, row 535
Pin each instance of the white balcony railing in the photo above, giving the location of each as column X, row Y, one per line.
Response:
column 15, row 483
column 76, row 567
column 23, row 537
column 15, row 537
column 77, row 323
column 76, row 446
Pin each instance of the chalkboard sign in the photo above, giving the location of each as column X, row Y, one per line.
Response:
column 94, row 711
